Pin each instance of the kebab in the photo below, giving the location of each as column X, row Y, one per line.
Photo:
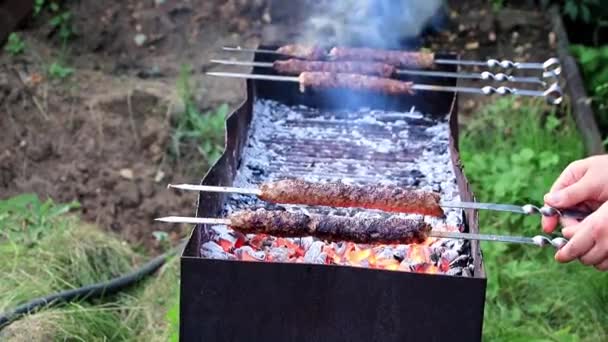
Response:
column 328, row 80
column 336, row 194
column 327, row 227
column 382, row 197
column 392, row 230
column 295, row 66
column 406, row 59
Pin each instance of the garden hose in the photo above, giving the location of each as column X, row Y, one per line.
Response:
column 89, row 291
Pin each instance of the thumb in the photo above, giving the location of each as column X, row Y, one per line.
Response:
column 571, row 195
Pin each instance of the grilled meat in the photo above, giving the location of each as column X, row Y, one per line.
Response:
column 327, row 80
column 381, row 197
column 304, row 52
column 419, row 60
column 331, row 228
column 297, row 66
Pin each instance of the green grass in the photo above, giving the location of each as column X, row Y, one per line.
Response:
column 512, row 152
column 594, row 66
column 44, row 250
column 205, row 131
column 14, row 44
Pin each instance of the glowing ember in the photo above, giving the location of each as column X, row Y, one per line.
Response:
column 352, row 146
column 431, row 257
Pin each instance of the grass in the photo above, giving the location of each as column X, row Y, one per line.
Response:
column 512, row 152
column 204, row 131
column 14, row 44
column 44, row 249
column 594, row 65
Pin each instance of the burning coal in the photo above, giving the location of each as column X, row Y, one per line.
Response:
column 358, row 147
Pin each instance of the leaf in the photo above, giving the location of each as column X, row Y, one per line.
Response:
column 19, row 202
column 571, row 9
column 160, row 235
column 527, row 154
column 62, row 209
column 585, row 14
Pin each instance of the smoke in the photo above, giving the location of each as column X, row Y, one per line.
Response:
column 372, row 23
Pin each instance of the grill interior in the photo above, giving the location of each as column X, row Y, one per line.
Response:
column 279, row 132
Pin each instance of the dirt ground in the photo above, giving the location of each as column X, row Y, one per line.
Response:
column 101, row 136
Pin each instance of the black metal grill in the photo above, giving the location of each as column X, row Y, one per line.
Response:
column 323, row 137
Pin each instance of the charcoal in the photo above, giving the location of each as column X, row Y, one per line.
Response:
column 460, row 260
column 355, row 147
column 259, row 255
column 279, row 254
column 454, row 271
column 400, row 252
column 449, row 255
column 214, row 251
column 314, row 254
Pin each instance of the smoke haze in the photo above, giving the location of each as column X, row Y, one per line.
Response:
column 373, row 23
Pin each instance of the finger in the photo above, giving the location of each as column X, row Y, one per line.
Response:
column 568, row 221
column 580, row 243
column 572, row 195
column 549, row 223
column 572, row 173
column 596, row 255
column 602, row 266
column 569, row 232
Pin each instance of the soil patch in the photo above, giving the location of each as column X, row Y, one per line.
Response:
column 101, row 136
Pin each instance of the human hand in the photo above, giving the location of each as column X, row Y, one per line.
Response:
column 583, row 184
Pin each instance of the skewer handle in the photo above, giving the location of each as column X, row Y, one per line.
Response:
column 550, row 67
column 550, row 211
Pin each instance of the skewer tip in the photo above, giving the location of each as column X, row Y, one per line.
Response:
column 168, row 219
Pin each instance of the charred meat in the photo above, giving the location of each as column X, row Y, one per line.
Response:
column 331, row 228
column 380, row 197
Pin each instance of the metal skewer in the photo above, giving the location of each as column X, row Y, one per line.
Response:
column 538, row 240
column 551, row 67
column 212, row 188
column 553, row 94
column 500, row 77
column 527, row 209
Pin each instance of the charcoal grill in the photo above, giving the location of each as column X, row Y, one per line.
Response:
column 231, row 300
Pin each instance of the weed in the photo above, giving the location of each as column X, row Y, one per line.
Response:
column 173, row 320
column 512, row 152
column 205, row 130
column 58, row 70
column 25, row 219
column 497, row 5
column 61, row 20
column 14, row 45
column 594, row 64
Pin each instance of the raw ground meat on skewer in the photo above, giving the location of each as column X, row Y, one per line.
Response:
column 408, row 59
column 296, row 66
column 327, row 80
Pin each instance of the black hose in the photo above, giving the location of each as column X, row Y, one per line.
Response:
column 89, row 291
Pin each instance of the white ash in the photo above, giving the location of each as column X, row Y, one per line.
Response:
column 212, row 250
column 315, row 254
column 354, row 147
